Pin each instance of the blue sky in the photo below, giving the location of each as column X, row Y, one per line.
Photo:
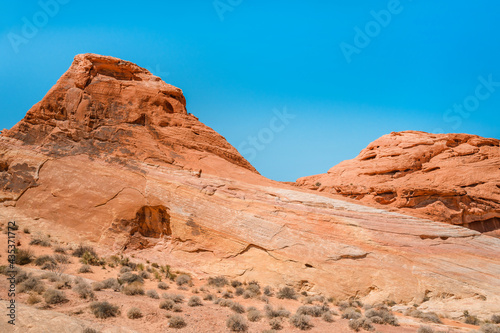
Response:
column 346, row 73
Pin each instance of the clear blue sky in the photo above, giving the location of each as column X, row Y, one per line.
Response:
column 276, row 55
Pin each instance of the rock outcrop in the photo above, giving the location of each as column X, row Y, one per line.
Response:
column 453, row 178
column 117, row 170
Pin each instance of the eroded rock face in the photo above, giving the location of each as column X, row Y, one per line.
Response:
column 109, row 108
column 226, row 220
column 453, row 178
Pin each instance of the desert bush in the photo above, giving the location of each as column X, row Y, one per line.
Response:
column 177, row 322
column 489, row 328
column 21, row 275
column 61, row 258
column 183, row 279
column 351, row 313
column 268, row 291
column 195, row 301
column 40, row 240
column 64, row 282
column 174, row 297
column 129, row 277
column 53, row 296
column 470, row 319
column 32, row 283
column 495, row 319
column 134, row 313
column 125, row 269
column 90, row 330
column 353, row 303
column 381, row 315
column 33, row 299
column 26, row 230
column 91, row 259
column 83, row 289
column 286, row 293
column 60, row 249
column 272, row 313
column 167, row 304
column 132, row 289
column 361, row 323
column 144, row 275
column 51, row 276
column 81, row 249
column 302, row 322
column 237, row 307
column 237, row 323
column 225, row 302
column 235, row 283
column 227, row 294
column 163, row 285
column 24, row 257
column 239, row 291
column 85, row 269
column 328, row 317
column 276, row 324
column 153, row 294
column 315, row 311
column 104, row 309
column 106, row 284
column 425, row 329
column 253, row 289
column 218, row 281
column 425, row 316
column 208, row 297
column 254, row 315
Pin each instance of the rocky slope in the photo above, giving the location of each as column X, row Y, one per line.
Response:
column 453, row 178
column 111, row 156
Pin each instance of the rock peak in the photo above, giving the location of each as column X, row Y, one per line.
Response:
column 105, row 105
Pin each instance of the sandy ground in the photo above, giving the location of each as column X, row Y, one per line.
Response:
column 209, row 317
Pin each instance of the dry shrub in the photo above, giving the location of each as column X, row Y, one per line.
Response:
column 237, row 323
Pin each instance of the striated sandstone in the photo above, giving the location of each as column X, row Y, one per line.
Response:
column 453, row 178
column 226, row 219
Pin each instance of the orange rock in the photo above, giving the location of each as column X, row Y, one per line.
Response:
column 111, row 156
column 453, row 178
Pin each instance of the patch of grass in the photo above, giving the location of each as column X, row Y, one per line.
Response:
column 134, row 313
column 195, row 301
column 60, row 249
column 237, row 323
column 177, row 322
column 302, row 322
column 218, row 281
column 24, row 257
column 53, row 296
column 286, row 293
column 103, row 310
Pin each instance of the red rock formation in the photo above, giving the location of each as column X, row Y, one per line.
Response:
column 108, row 156
column 110, row 108
column 453, row 178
